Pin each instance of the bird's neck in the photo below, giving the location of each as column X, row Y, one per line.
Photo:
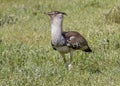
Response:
column 56, row 32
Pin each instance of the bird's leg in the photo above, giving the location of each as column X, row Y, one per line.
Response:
column 65, row 61
column 71, row 56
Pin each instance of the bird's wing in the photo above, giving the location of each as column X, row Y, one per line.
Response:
column 75, row 40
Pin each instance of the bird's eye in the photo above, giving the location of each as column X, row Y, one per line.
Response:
column 56, row 12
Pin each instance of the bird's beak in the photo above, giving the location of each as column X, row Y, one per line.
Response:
column 64, row 13
column 47, row 13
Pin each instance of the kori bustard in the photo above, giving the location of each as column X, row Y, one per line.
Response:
column 65, row 42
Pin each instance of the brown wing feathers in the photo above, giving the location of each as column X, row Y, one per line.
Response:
column 76, row 41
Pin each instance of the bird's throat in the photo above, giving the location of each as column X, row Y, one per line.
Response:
column 56, row 34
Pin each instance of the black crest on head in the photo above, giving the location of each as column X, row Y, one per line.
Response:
column 56, row 12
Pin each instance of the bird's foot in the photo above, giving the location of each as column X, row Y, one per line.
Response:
column 69, row 66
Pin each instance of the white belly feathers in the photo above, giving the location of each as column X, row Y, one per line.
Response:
column 63, row 49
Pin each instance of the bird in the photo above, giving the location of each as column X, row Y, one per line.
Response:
column 65, row 41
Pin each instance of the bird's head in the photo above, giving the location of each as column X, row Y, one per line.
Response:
column 56, row 15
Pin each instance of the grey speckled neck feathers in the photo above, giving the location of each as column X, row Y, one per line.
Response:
column 56, row 28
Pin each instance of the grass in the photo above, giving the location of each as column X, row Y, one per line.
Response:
column 26, row 56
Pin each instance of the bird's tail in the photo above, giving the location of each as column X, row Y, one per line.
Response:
column 87, row 50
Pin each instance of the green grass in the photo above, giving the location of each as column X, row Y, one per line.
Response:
column 26, row 56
